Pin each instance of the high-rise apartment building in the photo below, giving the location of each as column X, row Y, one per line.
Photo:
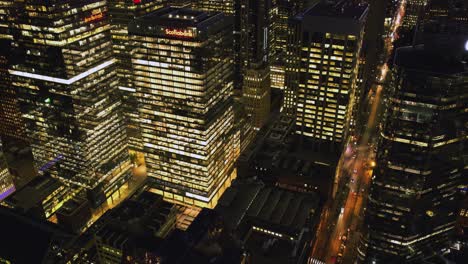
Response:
column 413, row 201
column 11, row 125
column 183, row 75
column 121, row 12
column 322, row 67
column 67, row 90
column 7, row 186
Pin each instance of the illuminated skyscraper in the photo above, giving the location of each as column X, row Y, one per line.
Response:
column 322, row 67
column 67, row 88
column 413, row 13
column 283, row 10
column 11, row 125
column 183, row 75
column 413, row 201
column 121, row 13
column 7, row 186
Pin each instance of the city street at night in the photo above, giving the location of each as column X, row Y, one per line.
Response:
column 233, row 131
column 337, row 235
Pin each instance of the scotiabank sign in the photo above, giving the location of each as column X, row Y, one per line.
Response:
column 179, row 33
column 94, row 17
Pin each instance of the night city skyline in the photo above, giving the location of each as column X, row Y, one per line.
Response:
column 234, row 131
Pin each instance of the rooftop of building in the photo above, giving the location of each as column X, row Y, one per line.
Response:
column 342, row 9
column 71, row 206
column 269, row 206
column 205, row 241
column 434, row 60
column 26, row 240
column 263, row 249
column 447, row 4
column 178, row 17
column 137, row 218
column 34, row 192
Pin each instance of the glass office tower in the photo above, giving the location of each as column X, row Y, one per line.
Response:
column 11, row 125
column 183, row 75
column 237, row 10
column 67, row 89
column 121, row 12
column 283, row 10
column 322, row 67
column 413, row 201
column 256, row 94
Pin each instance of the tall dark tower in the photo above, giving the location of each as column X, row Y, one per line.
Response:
column 444, row 19
column 413, row 201
column 256, row 71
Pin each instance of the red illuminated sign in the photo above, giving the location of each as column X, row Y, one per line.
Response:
column 94, row 17
column 179, row 33
column 136, row 1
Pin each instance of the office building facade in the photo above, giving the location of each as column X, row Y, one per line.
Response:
column 414, row 13
column 256, row 68
column 183, row 74
column 322, row 67
column 121, row 12
column 414, row 199
column 11, row 125
column 256, row 94
column 237, row 10
column 225, row 6
column 67, row 90
column 282, row 11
